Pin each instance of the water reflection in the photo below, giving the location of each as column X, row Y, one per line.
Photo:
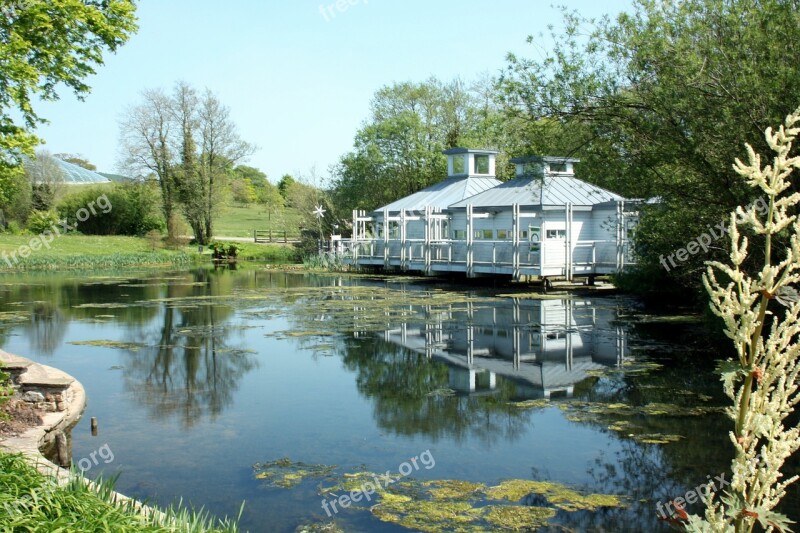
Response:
column 542, row 346
column 454, row 371
column 189, row 367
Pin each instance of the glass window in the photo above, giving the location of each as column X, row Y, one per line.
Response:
column 532, row 169
column 394, row 230
column 523, row 234
column 459, row 234
column 485, row 234
column 481, row 164
column 558, row 167
column 556, row 234
column 458, row 165
column 502, row 234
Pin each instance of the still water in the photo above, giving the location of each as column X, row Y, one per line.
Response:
column 196, row 376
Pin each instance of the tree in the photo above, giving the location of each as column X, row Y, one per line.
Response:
column 190, row 144
column 46, row 180
column 44, row 43
column 77, row 159
column 655, row 102
column 399, row 150
column 284, row 185
column 220, row 149
column 146, row 139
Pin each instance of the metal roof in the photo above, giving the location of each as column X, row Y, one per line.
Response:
column 550, row 190
column 442, row 194
column 454, row 151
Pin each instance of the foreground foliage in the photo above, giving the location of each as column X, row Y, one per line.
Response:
column 29, row 501
column 762, row 381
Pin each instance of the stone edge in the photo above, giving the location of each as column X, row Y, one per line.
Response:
column 32, row 440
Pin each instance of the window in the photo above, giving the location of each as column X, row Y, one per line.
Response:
column 458, row 165
column 558, row 167
column 394, row 230
column 556, row 234
column 523, row 234
column 503, row 234
column 532, row 169
column 481, row 164
column 459, row 234
column 485, row 234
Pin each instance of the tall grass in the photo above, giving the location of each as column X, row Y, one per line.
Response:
column 29, row 501
column 324, row 261
column 90, row 262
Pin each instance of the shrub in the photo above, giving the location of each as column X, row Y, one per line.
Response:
column 122, row 209
column 39, row 221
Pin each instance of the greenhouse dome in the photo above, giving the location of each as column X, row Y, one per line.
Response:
column 74, row 174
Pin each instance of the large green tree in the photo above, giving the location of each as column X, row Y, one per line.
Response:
column 398, row 151
column 657, row 103
column 44, row 44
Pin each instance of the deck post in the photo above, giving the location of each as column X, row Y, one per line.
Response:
column 402, row 239
column 426, row 252
column 386, row 238
column 469, row 259
column 515, row 242
column 568, row 243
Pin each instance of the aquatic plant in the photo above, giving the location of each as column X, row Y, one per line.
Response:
column 762, row 381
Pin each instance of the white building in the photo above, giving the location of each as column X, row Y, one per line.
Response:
column 545, row 223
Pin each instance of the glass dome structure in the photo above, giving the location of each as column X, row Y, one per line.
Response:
column 74, row 174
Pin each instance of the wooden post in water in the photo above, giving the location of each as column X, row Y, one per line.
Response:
column 94, row 426
column 62, row 450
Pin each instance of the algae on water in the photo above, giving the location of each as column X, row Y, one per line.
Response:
column 286, row 474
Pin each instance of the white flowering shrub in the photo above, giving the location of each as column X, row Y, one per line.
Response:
column 760, row 313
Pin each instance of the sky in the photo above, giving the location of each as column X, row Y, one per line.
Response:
column 297, row 75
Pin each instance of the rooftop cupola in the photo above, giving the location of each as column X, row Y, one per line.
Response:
column 551, row 166
column 467, row 163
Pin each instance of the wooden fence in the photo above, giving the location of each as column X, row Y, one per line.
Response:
column 268, row 235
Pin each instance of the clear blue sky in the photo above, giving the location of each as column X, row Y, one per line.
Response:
column 298, row 84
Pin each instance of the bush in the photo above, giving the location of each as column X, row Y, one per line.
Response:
column 122, row 209
column 39, row 221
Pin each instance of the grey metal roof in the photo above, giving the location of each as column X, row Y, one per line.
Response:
column 442, row 194
column 551, row 190
column 542, row 159
column 453, row 151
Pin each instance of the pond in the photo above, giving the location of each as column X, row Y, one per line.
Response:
column 290, row 391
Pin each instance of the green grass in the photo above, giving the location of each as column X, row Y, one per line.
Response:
column 237, row 221
column 89, row 252
column 29, row 501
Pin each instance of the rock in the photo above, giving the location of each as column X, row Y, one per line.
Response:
column 33, row 397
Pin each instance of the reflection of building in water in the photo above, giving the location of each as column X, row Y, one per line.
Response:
column 543, row 346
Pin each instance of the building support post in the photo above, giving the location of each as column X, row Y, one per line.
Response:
column 386, row 225
column 470, row 225
column 515, row 262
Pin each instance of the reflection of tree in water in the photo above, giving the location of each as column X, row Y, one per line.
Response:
column 188, row 368
column 650, row 473
column 403, row 385
column 46, row 328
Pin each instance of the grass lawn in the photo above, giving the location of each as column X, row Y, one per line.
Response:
column 240, row 221
column 76, row 251
column 86, row 251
